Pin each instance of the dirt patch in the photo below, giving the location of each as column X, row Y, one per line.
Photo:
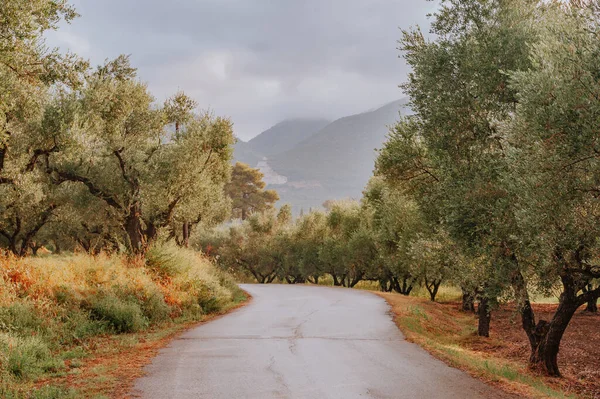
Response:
column 579, row 357
column 449, row 334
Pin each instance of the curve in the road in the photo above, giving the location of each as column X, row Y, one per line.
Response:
column 303, row 342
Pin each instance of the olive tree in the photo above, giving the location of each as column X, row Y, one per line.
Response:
column 555, row 155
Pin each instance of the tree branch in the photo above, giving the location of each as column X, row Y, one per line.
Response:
column 588, row 296
column 36, row 228
column 92, row 188
column 38, row 153
column 130, row 181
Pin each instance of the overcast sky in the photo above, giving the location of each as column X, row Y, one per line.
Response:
column 256, row 61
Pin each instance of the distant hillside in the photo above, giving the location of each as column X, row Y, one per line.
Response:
column 285, row 135
column 277, row 139
column 338, row 161
column 242, row 152
column 308, row 167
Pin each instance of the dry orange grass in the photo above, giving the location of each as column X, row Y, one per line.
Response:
column 40, row 278
column 62, row 317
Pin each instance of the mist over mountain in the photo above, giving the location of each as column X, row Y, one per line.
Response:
column 286, row 135
column 277, row 139
column 308, row 167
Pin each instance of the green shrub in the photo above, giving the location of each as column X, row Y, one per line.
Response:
column 155, row 308
column 80, row 325
column 54, row 392
column 64, row 295
column 22, row 318
column 26, row 357
column 122, row 316
column 209, row 302
column 167, row 260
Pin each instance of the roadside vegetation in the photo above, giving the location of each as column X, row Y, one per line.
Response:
column 490, row 186
column 101, row 187
column 60, row 313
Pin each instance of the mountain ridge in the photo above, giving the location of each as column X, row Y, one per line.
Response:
column 334, row 162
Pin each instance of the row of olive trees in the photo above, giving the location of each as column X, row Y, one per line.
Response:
column 87, row 157
column 383, row 239
column 502, row 152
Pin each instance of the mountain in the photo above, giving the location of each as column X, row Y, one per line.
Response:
column 338, row 161
column 242, row 152
column 285, row 135
column 308, row 165
column 277, row 139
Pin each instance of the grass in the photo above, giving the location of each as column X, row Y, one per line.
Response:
column 451, row 336
column 71, row 325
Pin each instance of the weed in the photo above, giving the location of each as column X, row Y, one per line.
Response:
column 122, row 316
column 26, row 357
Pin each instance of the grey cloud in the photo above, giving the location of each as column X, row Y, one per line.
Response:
column 257, row 61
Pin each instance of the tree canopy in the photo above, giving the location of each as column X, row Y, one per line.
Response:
column 247, row 193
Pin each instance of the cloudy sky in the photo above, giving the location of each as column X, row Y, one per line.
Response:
column 256, row 61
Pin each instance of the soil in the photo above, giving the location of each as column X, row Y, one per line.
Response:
column 579, row 357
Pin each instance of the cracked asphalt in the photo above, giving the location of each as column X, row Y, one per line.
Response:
column 303, row 342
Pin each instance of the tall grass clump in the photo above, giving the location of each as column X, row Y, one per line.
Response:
column 53, row 306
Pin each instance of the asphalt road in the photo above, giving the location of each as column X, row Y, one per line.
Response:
column 301, row 342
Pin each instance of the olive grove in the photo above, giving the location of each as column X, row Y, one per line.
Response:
column 490, row 186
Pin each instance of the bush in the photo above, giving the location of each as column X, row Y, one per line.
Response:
column 155, row 308
column 122, row 316
column 69, row 299
column 168, row 260
column 64, row 295
column 26, row 357
column 208, row 301
column 78, row 325
column 21, row 317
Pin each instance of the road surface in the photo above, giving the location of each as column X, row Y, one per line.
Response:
column 302, row 342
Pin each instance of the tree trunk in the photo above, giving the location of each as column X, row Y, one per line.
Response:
column 336, row 281
column 534, row 332
column 385, row 285
column 133, row 226
column 592, row 304
column 271, row 278
column 186, row 234
column 433, row 288
column 468, row 301
column 405, row 288
column 355, row 280
column 551, row 336
column 485, row 317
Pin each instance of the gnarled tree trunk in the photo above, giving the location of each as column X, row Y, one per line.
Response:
column 485, row 317
column 133, row 226
column 552, row 333
column 468, row 301
column 433, row 287
column 592, row 303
